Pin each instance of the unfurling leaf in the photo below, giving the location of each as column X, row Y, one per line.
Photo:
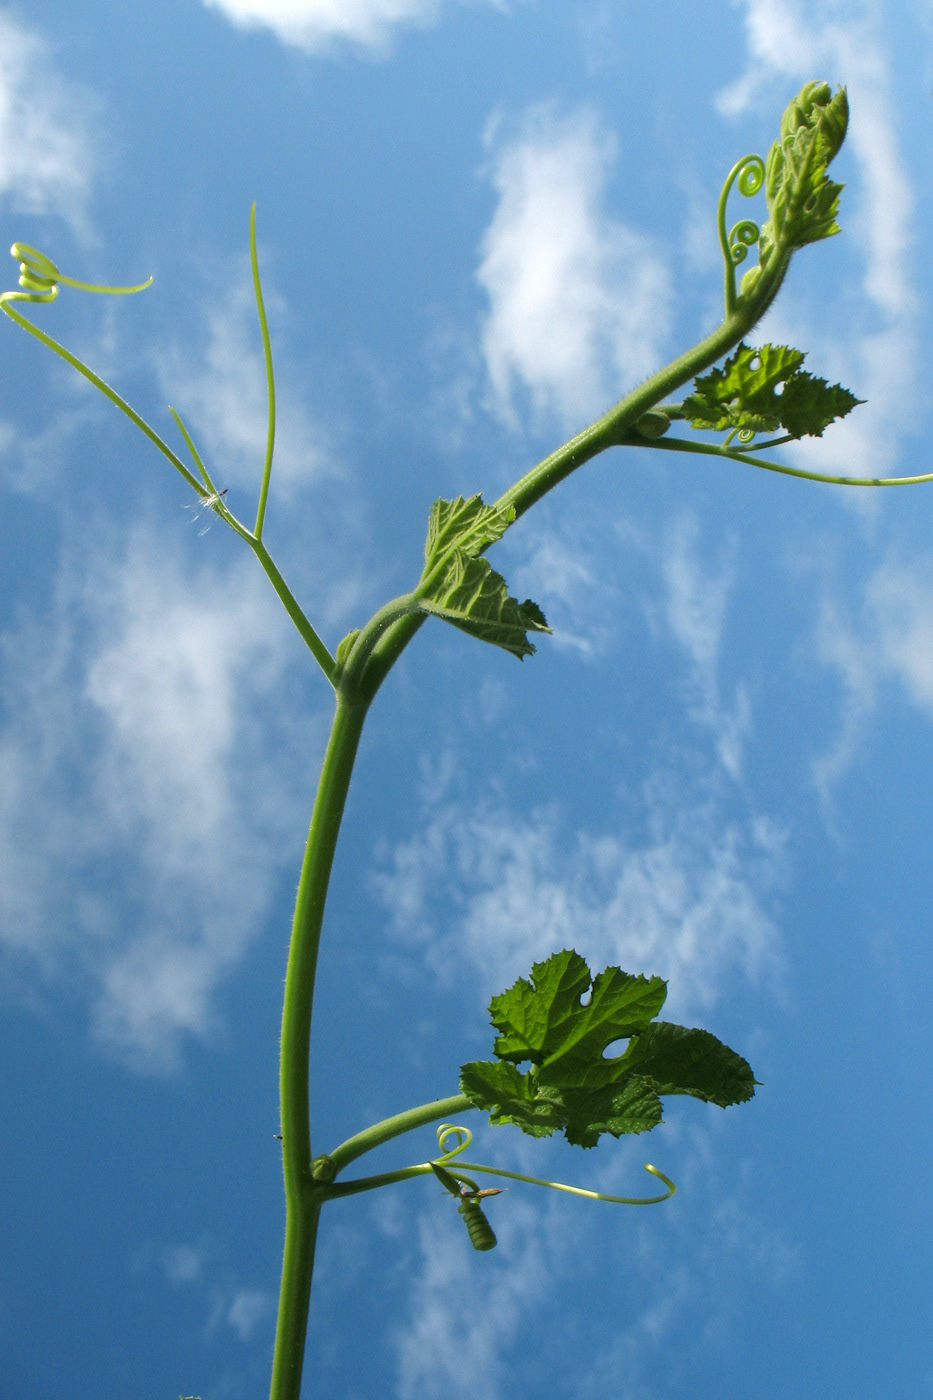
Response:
column 461, row 587
column 762, row 389
column 571, row 1086
column 802, row 201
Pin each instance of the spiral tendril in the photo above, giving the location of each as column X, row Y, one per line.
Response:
column 742, row 236
column 463, row 1139
column 749, row 174
column 41, row 278
column 463, row 1136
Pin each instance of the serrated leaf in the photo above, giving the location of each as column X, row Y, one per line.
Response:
column 762, row 389
column 741, row 393
column 546, row 1023
column 685, row 1060
column 466, row 524
column 809, row 405
column 571, row 1086
column 462, row 588
column 581, row 1114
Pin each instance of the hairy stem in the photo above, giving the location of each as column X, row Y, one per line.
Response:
column 612, row 430
column 392, row 1127
column 371, row 657
column 303, row 1196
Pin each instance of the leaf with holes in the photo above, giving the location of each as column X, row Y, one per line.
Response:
column 763, row 388
column 571, row 1086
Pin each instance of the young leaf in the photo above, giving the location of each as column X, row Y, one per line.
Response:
column 763, row 388
column 461, row 587
column 802, row 201
column 466, row 524
column 571, row 1086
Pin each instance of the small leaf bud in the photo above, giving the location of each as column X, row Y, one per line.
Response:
column 653, row 424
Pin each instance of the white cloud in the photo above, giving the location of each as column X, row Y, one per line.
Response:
column 456, row 1312
column 141, row 827
column 578, row 302
column 886, row 638
column 695, row 613
column 487, row 892
column 248, row 1308
column 183, row 1263
column 316, row 26
column 219, row 388
column 560, row 571
column 47, row 152
column 553, row 1248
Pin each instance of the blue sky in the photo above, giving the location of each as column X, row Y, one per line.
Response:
column 480, row 222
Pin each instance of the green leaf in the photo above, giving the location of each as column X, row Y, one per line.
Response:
column 463, row 588
column 545, row 1022
column 571, row 1086
column 762, row 389
column 809, row 405
column 465, row 524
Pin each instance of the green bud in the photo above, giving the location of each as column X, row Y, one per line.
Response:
column 346, row 646
column 750, row 281
column 323, row 1169
column 815, row 108
column 653, row 424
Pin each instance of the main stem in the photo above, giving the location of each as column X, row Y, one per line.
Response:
column 304, row 1197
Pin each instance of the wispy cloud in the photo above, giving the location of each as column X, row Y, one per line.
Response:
column 681, row 892
column 578, row 301
column 317, row 26
column 217, row 381
column 695, row 607
column 885, row 638
column 143, row 816
column 561, row 570
column 456, row 1312
column 684, row 1270
column 49, row 146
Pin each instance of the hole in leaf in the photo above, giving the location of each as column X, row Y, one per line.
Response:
column 615, row 1048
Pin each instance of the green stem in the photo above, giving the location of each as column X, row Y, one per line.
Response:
column 609, row 431
column 709, row 449
column 311, row 639
column 270, row 376
column 303, row 1195
column 458, row 1168
column 104, row 388
column 613, row 427
column 392, row 1127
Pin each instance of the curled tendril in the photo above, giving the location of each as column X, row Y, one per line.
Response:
column 749, row 174
column 464, row 1137
column 742, row 236
column 743, row 436
column 41, row 278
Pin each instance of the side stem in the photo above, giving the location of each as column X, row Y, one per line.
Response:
column 303, row 1197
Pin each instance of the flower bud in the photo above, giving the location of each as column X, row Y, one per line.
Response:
column 816, row 108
